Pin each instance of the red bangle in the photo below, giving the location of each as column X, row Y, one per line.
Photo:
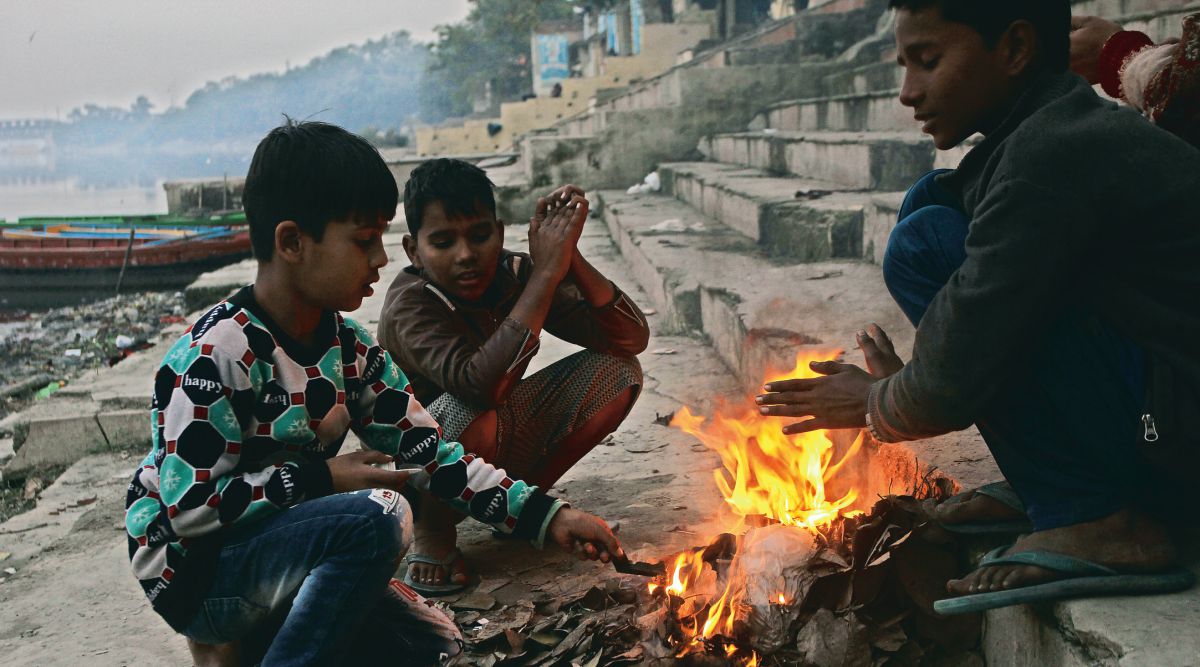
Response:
column 1113, row 55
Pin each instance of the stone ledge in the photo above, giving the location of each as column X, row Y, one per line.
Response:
column 1149, row 631
column 867, row 160
column 791, row 218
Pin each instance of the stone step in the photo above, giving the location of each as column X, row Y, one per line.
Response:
column 695, row 86
column 791, row 218
column 704, row 277
column 859, row 112
column 872, row 78
column 1161, row 19
column 1160, row 25
column 1145, row 631
column 866, row 160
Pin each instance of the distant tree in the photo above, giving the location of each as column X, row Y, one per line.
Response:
column 214, row 132
column 141, row 107
column 490, row 46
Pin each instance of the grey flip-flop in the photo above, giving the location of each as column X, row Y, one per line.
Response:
column 434, row 590
column 1085, row 579
column 1001, row 491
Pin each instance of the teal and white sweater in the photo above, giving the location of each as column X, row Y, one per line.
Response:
column 243, row 420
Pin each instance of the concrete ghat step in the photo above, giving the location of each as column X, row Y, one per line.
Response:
column 694, row 86
column 879, row 111
column 866, row 160
column 872, row 78
column 1161, row 19
column 1150, row 631
column 778, row 213
column 756, row 315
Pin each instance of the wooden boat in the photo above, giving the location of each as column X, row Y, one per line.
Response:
column 58, row 261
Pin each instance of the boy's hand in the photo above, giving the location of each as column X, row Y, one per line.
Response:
column 588, row 536
column 838, row 400
column 564, row 194
column 882, row 360
column 553, row 234
column 1088, row 35
column 357, row 471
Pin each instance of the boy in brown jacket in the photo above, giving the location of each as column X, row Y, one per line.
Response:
column 464, row 321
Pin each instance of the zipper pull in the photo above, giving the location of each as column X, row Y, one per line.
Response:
column 1151, row 432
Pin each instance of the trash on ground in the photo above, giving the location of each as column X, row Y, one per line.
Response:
column 652, row 183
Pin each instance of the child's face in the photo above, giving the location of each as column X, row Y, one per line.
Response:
column 459, row 254
column 955, row 85
column 337, row 273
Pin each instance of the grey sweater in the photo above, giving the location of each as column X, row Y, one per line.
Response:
column 1073, row 202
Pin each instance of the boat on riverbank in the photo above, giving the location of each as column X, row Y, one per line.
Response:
column 48, row 262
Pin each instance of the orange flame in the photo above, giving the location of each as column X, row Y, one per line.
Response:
column 766, row 472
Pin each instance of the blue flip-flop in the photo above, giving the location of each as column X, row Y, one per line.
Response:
column 434, row 590
column 1085, row 579
column 1001, row 491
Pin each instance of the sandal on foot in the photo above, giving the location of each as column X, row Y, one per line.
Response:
column 1084, row 579
column 434, row 590
column 999, row 491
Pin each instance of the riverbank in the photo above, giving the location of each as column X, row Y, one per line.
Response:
column 41, row 349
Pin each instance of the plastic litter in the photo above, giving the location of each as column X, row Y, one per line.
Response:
column 652, row 183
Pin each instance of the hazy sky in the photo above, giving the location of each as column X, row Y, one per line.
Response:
column 59, row 54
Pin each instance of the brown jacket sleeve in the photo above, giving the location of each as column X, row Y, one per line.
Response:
column 422, row 333
column 618, row 328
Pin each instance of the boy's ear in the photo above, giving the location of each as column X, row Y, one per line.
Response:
column 289, row 241
column 1018, row 48
column 410, row 249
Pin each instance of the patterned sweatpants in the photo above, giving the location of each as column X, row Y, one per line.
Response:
column 544, row 408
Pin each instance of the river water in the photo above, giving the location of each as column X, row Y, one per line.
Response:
column 71, row 197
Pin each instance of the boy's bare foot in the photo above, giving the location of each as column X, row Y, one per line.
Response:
column 1128, row 541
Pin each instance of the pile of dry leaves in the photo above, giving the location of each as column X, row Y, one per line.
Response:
column 862, row 596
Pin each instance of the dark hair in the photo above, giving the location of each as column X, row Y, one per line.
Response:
column 461, row 187
column 314, row 173
column 1051, row 20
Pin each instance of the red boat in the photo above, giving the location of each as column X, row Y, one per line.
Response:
column 57, row 261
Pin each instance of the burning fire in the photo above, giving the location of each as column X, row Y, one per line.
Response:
column 767, row 473
column 764, row 474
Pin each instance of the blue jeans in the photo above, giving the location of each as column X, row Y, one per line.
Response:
column 1064, row 425
column 329, row 559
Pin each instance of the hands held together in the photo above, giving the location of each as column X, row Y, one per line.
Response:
column 838, row 399
column 555, row 229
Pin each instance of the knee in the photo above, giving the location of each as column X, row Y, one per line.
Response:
column 917, row 239
column 903, row 245
column 386, row 520
column 622, row 371
column 629, row 371
column 925, row 192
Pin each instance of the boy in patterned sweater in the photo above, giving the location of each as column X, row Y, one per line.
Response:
column 244, row 517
